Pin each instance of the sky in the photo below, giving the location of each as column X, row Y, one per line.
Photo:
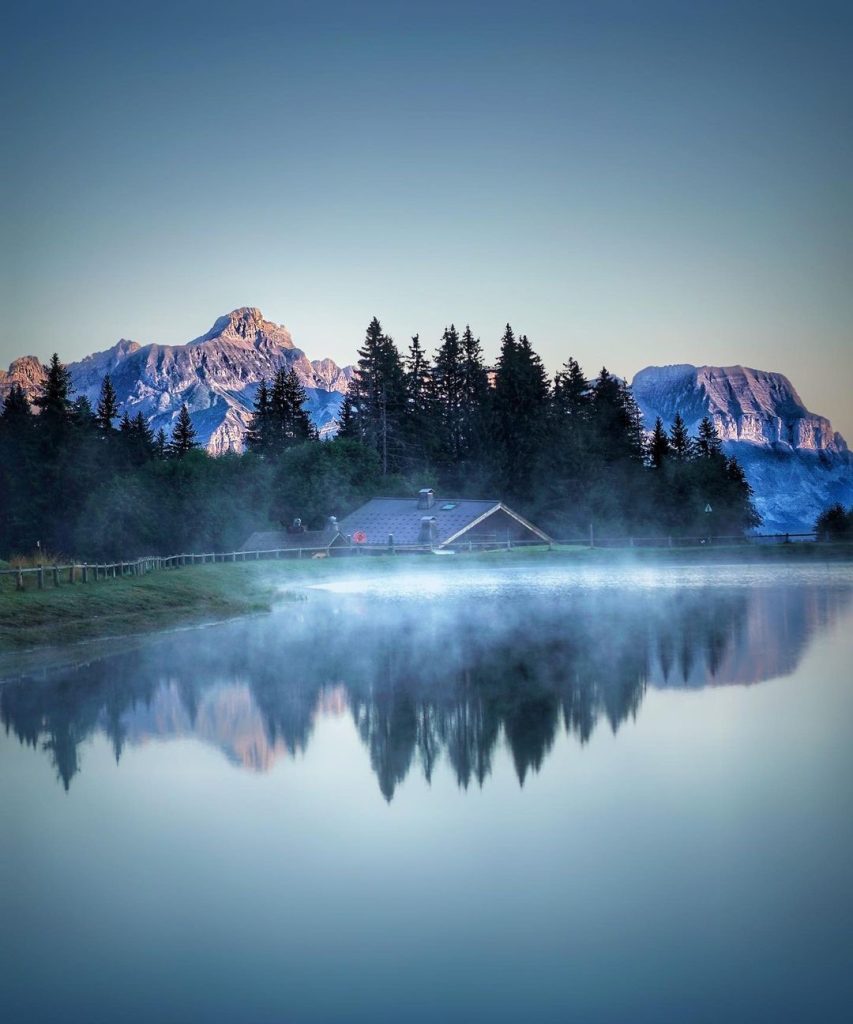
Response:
column 628, row 183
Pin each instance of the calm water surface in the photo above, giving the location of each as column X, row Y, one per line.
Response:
column 606, row 797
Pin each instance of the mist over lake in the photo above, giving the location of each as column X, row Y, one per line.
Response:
column 600, row 794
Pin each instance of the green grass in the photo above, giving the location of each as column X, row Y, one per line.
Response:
column 69, row 613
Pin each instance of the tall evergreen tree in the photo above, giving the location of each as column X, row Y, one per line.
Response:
column 376, row 410
column 56, row 390
column 476, row 405
column 449, row 377
column 259, row 435
column 161, row 444
column 680, row 441
column 658, row 445
column 16, row 408
column 183, row 436
column 420, row 423
column 107, row 404
column 289, row 422
column 519, row 415
column 708, row 443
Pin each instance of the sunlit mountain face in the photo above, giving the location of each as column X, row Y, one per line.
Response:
column 428, row 669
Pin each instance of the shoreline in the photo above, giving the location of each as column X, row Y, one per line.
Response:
column 37, row 622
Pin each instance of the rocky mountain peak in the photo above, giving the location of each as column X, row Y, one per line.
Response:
column 757, row 406
column 26, row 371
column 246, row 327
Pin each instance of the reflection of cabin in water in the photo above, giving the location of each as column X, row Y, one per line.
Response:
column 437, row 522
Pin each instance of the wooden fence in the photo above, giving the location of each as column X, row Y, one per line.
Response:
column 93, row 572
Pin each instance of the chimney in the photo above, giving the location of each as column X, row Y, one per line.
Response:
column 429, row 530
column 426, row 497
column 332, row 525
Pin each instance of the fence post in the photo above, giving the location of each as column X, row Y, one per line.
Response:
column 19, row 581
column 41, row 576
column 591, row 535
column 85, row 572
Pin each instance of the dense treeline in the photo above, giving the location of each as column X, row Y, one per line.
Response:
column 568, row 452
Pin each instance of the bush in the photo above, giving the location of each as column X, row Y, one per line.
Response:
column 834, row 524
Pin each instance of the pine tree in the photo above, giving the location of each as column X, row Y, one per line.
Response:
column 680, row 442
column 420, row 421
column 658, row 445
column 708, row 443
column 376, row 410
column 161, row 444
column 183, row 436
column 16, row 408
column 475, row 408
column 107, row 404
column 571, row 393
column 258, row 436
column 56, row 390
column 143, row 432
column 82, row 414
column 449, row 377
column 289, row 422
column 520, row 403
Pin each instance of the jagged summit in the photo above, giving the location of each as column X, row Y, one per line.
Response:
column 246, row 327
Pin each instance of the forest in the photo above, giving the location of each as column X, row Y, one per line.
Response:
column 568, row 452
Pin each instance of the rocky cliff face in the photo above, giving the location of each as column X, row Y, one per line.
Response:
column 216, row 374
column 795, row 462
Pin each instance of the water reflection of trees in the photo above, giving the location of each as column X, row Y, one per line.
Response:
column 429, row 680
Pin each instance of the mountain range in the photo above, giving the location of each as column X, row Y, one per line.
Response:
column 795, row 462
column 216, row 375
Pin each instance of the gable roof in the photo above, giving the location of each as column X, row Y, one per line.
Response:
column 401, row 518
column 280, row 540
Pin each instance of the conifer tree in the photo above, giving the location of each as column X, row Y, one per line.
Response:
column 183, row 436
column 658, row 445
column 449, row 377
column 571, row 393
column 107, row 404
column 708, row 443
column 420, row 421
column 289, row 422
column 16, row 408
column 376, row 410
column 161, row 444
column 680, row 442
column 476, row 406
column 54, row 399
column 519, row 415
column 143, row 432
column 258, row 436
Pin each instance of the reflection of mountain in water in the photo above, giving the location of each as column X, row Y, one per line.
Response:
column 422, row 679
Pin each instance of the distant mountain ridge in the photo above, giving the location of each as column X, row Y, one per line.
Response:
column 216, row 374
column 795, row 462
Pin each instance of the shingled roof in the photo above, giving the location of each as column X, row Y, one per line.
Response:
column 402, row 519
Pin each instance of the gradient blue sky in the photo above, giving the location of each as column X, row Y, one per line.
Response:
column 630, row 183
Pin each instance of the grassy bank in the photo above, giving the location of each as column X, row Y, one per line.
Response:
column 68, row 613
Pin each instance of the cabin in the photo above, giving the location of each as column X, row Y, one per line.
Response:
column 296, row 538
column 437, row 523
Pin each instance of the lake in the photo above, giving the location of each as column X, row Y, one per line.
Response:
column 621, row 795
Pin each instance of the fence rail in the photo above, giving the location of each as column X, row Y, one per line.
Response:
column 92, row 572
